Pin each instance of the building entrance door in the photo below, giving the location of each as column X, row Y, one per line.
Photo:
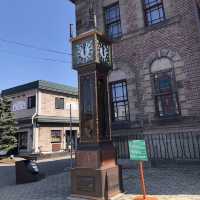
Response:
column 22, row 141
column 74, row 140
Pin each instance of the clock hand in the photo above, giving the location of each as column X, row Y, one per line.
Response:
column 103, row 51
column 82, row 51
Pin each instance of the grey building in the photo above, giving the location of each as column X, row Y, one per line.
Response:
column 155, row 82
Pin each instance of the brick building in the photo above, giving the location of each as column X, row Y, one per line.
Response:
column 155, row 82
column 41, row 109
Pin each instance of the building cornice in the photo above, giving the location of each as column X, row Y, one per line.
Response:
column 42, row 85
column 52, row 119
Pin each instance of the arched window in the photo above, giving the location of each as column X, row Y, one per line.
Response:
column 165, row 90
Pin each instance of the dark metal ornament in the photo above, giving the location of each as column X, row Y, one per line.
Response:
column 92, row 15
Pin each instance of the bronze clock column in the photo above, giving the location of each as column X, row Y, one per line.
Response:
column 96, row 174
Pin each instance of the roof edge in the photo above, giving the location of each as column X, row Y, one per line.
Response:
column 41, row 84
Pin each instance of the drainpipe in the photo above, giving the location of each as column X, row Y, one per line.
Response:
column 34, row 125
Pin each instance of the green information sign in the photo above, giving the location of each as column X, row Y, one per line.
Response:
column 137, row 150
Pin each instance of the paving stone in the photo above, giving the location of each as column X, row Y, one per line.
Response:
column 53, row 187
column 174, row 183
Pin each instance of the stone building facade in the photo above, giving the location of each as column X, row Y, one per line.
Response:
column 155, row 82
column 42, row 112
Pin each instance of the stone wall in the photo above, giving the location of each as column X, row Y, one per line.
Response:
column 177, row 39
column 47, row 105
column 44, row 142
column 22, row 97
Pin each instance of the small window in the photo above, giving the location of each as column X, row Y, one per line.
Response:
column 59, row 103
column 56, row 136
column 198, row 10
column 166, row 96
column 31, row 102
column 113, row 21
column 119, row 101
column 154, row 11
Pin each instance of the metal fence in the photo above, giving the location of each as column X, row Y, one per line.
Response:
column 168, row 146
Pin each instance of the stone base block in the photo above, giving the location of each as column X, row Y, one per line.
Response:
column 103, row 183
column 75, row 197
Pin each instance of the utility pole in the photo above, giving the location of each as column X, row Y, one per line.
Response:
column 71, row 149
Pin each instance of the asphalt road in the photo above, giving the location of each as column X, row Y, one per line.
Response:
column 48, row 167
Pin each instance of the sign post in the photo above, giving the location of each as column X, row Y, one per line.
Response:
column 138, row 152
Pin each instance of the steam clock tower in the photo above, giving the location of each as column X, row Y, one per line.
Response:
column 96, row 174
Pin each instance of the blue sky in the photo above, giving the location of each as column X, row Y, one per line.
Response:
column 43, row 24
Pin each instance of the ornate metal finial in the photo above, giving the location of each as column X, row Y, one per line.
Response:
column 71, row 31
column 92, row 15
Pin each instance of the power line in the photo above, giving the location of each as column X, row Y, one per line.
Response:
column 34, row 47
column 35, row 58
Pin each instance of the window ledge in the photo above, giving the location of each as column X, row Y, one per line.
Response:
column 121, row 125
column 146, row 29
column 55, row 142
column 162, row 24
column 166, row 120
column 114, row 40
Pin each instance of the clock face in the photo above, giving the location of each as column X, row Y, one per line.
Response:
column 85, row 52
column 104, row 53
column 94, row 49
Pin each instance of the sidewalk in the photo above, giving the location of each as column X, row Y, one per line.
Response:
column 181, row 183
column 177, row 183
column 165, row 197
column 55, row 187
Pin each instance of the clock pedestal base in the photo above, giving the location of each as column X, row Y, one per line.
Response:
column 96, row 175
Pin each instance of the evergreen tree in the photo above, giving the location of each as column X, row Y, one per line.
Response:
column 7, row 125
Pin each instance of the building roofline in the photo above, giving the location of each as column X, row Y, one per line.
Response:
column 43, row 85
